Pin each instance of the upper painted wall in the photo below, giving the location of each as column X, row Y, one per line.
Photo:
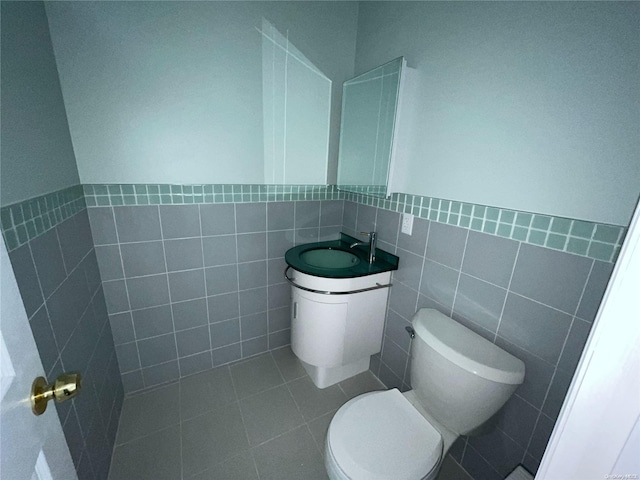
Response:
column 533, row 106
column 171, row 92
column 37, row 153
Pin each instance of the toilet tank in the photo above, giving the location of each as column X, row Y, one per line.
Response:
column 459, row 377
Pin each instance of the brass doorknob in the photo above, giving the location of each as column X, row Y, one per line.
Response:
column 65, row 387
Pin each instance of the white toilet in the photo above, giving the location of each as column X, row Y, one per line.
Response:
column 459, row 381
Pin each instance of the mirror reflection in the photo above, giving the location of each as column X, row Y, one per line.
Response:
column 296, row 106
column 369, row 106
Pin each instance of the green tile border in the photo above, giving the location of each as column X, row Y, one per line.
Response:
column 165, row 194
column 588, row 239
column 23, row 221
column 376, row 190
column 26, row 220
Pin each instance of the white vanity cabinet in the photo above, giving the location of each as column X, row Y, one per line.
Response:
column 337, row 323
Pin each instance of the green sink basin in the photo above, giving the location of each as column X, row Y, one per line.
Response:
column 336, row 259
column 329, row 258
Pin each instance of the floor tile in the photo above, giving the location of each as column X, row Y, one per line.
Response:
column 451, row 470
column 255, row 375
column 241, row 467
column 292, row 456
column 148, row 412
column 269, row 414
column 361, row 383
column 154, row 457
column 314, row 402
column 288, row 364
column 205, row 391
column 212, row 438
column 319, row 427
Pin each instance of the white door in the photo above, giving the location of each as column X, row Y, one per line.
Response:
column 597, row 434
column 31, row 448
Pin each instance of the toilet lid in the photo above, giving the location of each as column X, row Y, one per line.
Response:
column 382, row 436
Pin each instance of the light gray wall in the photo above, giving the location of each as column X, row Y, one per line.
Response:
column 171, row 92
column 37, row 154
column 533, row 106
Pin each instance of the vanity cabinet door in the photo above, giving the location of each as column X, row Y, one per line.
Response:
column 318, row 326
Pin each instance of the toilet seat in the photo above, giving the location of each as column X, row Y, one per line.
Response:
column 381, row 436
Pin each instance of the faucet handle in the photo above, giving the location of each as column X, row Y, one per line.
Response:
column 372, row 245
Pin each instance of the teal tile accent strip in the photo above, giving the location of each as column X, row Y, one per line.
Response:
column 377, row 190
column 26, row 220
column 593, row 240
column 163, row 194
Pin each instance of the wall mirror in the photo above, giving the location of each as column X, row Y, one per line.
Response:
column 296, row 106
column 369, row 110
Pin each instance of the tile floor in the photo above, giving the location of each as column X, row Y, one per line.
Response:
column 260, row 418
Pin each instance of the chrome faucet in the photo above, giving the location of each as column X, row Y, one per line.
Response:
column 371, row 243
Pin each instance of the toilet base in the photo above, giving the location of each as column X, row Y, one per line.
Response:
column 324, row 377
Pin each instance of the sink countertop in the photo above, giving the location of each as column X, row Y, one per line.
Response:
column 385, row 261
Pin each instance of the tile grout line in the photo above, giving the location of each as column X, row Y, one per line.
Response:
column 173, row 322
column 206, row 301
column 59, row 245
column 244, row 425
column 403, row 380
column 455, row 292
column 44, row 305
column 235, row 228
column 126, row 289
column 481, row 456
column 181, row 456
column 584, row 289
column 533, row 431
column 386, row 310
column 305, row 421
column 464, row 449
column 74, row 411
column 189, row 299
column 266, row 215
column 504, row 303
column 419, row 291
column 574, row 317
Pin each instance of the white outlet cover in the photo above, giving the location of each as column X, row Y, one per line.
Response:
column 407, row 223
